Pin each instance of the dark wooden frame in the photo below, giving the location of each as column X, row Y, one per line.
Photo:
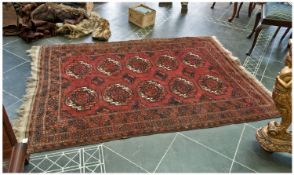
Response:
column 14, row 153
column 260, row 21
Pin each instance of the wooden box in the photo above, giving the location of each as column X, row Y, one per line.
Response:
column 142, row 15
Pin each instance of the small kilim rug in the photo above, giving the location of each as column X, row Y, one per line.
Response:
column 90, row 93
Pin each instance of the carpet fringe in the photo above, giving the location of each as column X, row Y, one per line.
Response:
column 20, row 124
column 237, row 61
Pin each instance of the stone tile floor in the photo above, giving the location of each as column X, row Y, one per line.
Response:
column 230, row 148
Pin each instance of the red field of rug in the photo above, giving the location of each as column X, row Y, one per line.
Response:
column 91, row 93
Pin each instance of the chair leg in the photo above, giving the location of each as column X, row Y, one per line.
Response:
column 213, row 4
column 234, row 12
column 250, row 9
column 276, row 32
column 240, row 6
column 258, row 30
column 286, row 32
column 257, row 19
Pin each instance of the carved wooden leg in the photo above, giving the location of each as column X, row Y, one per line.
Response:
column 240, row 6
column 257, row 19
column 234, row 12
column 286, row 32
column 184, row 8
column 258, row 30
column 250, row 9
column 213, row 4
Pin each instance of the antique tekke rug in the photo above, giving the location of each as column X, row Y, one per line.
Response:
column 90, row 93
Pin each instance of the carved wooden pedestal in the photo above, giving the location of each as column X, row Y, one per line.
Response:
column 275, row 137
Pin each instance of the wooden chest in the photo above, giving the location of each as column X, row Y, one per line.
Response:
column 142, row 15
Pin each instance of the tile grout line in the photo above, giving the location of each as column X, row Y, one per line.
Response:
column 7, row 107
column 10, row 94
column 205, row 146
column 166, row 151
column 237, row 148
column 15, row 54
column 213, row 150
column 250, row 125
column 269, row 58
column 10, row 42
column 125, row 158
column 16, row 66
column 245, row 166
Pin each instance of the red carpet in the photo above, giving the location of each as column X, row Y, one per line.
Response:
column 91, row 93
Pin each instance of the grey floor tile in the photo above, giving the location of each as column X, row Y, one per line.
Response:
column 20, row 47
column 237, row 168
column 268, row 83
column 9, row 39
column 215, row 137
column 186, row 156
column 146, row 151
column 252, row 155
column 8, row 99
column 14, row 81
column 273, row 69
column 116, row 164
column 10, row 61
column 12, row 109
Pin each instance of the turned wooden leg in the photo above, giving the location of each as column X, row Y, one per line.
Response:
column 250, row 9
column 276, row 32
column 234, row 12
column 258, row 30
column 240, row 6
column 286, row 32
column 213, row 4
column 257, row 19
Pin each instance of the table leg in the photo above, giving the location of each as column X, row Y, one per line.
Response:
column 234, row 12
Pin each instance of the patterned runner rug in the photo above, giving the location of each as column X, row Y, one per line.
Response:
column 90, row 93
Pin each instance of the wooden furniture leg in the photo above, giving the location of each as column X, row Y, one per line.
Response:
column 257, row 19
column 14, row 154
column 213, row 4
column 286, row 32
column 240, row 6
column 250, row 8
column 275, row 137
column 234, row 12
column 184, row 6
column 258, row 30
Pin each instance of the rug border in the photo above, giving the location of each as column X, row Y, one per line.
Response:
column 21, row 123
column 230, row 55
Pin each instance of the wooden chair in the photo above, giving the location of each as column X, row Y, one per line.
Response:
column 275, row 14
column 14, row 153
column 236, row 10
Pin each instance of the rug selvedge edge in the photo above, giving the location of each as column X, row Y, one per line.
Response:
column 237, row 61
column 20, row 124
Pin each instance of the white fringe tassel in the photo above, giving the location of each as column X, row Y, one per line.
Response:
column 20, row 124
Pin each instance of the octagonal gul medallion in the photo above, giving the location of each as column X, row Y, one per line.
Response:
column 167, row 62
column 151, row 91
column 138, row 64
column 192, row 60
column 212, row 84
column 81, row 99
column 109, row 67
column 78, row 69
column 117, row 94
column 182, row 87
